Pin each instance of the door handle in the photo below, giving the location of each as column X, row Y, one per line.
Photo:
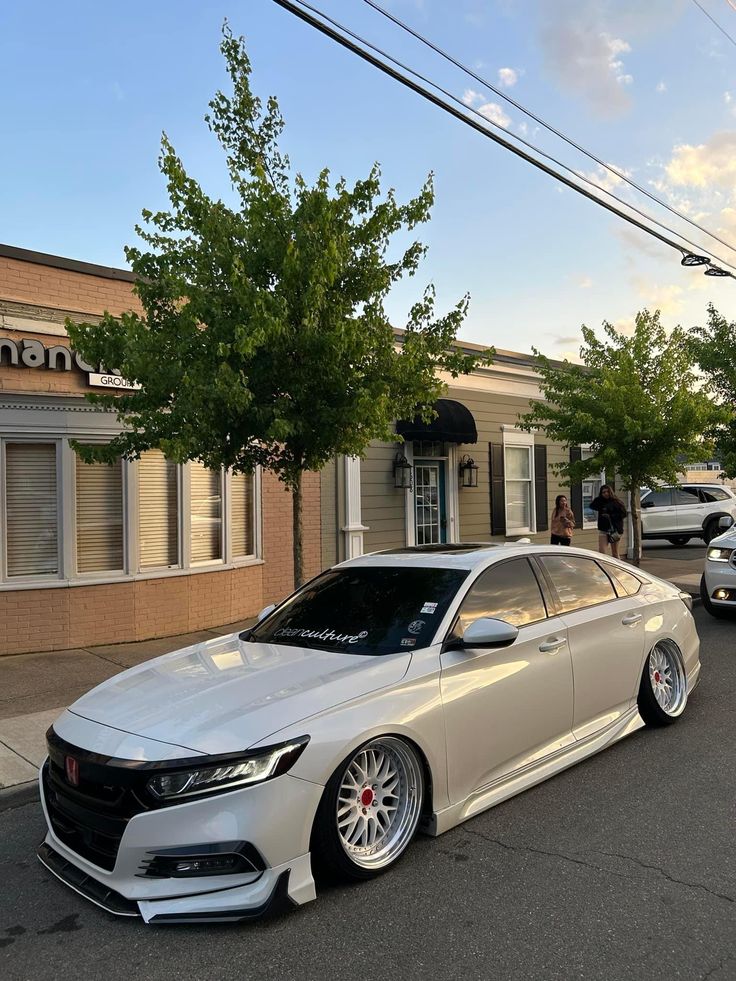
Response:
column 631, row 618
column 552, row 645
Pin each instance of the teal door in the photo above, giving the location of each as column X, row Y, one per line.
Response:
column 430, row 516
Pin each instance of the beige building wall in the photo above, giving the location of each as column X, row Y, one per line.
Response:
column 382, row 505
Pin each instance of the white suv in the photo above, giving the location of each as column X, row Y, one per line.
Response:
column 678, row 514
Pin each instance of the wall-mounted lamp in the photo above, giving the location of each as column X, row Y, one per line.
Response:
column 468, row 472
column 403, row 471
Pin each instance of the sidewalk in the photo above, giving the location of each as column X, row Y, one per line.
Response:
column 36, row 688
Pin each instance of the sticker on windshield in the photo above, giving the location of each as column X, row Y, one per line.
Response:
column 428, row 608
column 416, row 626
column 408, row 641
column 326, row 634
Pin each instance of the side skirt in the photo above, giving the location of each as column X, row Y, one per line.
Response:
column 522, row 780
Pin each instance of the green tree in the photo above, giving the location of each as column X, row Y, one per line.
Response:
column 635, row 400
column 714, row 350
column 263, row 338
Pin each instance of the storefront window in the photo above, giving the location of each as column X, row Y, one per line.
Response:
column 518, row 470
column 591, row 490
column 206, row 514
column 241, row 508
column 99, row 515
column 158, row 499
column 31, row 509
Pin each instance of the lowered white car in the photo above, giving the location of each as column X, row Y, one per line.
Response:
column 401, row 691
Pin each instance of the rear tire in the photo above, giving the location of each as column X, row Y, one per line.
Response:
column 710, row 531
column 679, row 540
column 719, row 612
column 663, row 688
column 369, row 812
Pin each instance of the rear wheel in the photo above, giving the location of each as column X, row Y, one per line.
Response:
column 663, row 688
column 719, row 612
column 369, row 811
column 679, row 540
column 710, row 531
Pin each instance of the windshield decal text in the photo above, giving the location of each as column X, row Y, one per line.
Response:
column 326, row 634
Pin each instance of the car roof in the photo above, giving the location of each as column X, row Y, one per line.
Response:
column 468, row 556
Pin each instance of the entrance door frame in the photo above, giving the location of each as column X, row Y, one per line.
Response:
column 452, row 504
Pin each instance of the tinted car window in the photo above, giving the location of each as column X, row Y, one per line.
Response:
column 686, row 495
column 508, row 591
column 658, row 499
column 711, row 494
column 364, row 610
column 629, row 583
column 579, row 582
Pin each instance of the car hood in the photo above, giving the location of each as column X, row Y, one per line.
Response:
column 224, row 695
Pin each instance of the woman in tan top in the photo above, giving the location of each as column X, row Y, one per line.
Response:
column 563, row 522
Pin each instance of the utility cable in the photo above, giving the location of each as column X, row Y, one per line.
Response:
column 308, row 16
column 538, row 119
column 714, row 21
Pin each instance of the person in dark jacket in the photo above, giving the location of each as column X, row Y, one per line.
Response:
column 611, row 513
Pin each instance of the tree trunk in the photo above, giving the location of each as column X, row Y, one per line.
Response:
column 636, row 524
column 297, row 507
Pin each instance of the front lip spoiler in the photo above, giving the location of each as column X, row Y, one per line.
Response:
column 84, row 884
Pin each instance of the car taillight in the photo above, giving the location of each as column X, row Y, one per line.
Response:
column 686, row 599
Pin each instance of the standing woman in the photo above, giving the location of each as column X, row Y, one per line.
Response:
column 563, row 522
column 611, row 513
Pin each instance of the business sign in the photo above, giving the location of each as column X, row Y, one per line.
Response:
column 30, row 353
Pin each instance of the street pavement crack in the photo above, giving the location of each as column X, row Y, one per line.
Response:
column 671, row 878
column 721, row 964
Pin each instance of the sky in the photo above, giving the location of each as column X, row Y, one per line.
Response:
column 86, row 90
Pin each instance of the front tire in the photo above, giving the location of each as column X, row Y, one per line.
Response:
column 710, row 531
column 719, row 612
column 679, row 540
column 369, row 812
column 663, row 688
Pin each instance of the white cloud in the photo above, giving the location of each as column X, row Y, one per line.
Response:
column 661, row 87
column 606, row 179
column 507, row 77
column 493, row 112
column 472, row 98
column 585, row 282
column 711, row 164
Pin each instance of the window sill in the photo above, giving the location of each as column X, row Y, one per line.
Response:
column 115, row 578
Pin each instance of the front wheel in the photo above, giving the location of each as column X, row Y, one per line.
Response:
column 663, row 688
column 679, row 540
column 369, row 811
column 710, row 531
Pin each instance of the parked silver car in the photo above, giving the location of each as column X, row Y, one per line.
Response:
column 678, row 514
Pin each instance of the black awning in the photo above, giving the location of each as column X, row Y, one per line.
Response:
column 454, row 424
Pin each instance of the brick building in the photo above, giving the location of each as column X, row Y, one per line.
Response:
column 91, row 554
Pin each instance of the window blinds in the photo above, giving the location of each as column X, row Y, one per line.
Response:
column 99, row 517
column 206, row 513
column 241, row 493
column 31, row 509
column 157, row 511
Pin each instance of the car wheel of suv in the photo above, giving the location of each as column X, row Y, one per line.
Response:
column 710, row 531
column 719, row 612
column 679, row 540
column 663, row 689
column 369, row 811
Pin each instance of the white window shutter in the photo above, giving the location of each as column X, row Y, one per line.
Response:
column 241, row 495
column 157, row 511
column 99, row 517
column 206, row 513
column 31, row 509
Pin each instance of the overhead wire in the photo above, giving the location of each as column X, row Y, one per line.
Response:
column 311, row 15
column 626, row 178
column 714, row 21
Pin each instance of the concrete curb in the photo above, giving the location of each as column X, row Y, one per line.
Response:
column 19, row 796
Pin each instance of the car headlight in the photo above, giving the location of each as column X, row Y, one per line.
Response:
column 251, row 768
column 719, row 554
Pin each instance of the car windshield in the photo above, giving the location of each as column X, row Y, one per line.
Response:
column 364, row 610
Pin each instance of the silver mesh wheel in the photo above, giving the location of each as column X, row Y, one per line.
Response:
column 667, row 678
column 379, row 802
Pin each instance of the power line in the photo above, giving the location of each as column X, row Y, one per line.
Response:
column 513, row 136
column 548, row 126
column 714, row 21
column 303, row 14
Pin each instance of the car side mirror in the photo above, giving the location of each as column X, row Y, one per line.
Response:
column 489, row 632
column 647, row 504
column 725, row 522
column 265, row 611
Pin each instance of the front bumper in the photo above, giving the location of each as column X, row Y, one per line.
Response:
column 720, row 576
column 274, row 819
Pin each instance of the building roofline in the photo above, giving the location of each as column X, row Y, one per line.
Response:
column 501, row 356
column 72, row 265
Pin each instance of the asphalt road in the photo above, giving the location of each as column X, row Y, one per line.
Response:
column 623, row 867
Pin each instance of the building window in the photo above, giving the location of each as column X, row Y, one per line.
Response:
column 518, row 480
column 591, row 490
column 99, row 516
column 158, row 498
column 242, row 514
column 31, row 514
column 206, row 514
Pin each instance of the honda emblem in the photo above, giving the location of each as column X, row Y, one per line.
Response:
column 71, row 768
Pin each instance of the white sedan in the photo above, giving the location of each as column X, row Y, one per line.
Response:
column 399, row 691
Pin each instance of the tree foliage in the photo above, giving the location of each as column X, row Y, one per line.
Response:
column 263, row 338
column 635, row 400
column 714, row 350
